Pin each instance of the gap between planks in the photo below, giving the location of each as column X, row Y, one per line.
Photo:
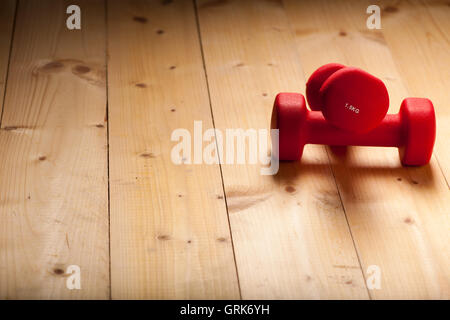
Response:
column 2, row 107
column 197, row 21
column 107, row 144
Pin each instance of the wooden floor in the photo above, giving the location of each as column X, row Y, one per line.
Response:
column 86, row 176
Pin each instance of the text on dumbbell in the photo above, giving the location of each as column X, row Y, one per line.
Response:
column 351, row 108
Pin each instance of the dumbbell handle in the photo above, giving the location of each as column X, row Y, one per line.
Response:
column 319, row 131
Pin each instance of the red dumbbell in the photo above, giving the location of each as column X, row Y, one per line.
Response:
column 412, row 130
column 349, row 98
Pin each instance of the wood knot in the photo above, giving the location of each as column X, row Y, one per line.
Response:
column 58, row 271
column 159, row 31
column 140, row 19
column 141, row 85
column 172, row 67
column 289, row 189
column 390, row 9
column 80, row 69
column 342, row 33
column 408, row 220
column 10, row 128
column 147, row 155
column 42, row 158
column 52, row 66
column 222, row 239
column 163, row 237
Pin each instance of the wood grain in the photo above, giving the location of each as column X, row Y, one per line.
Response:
column 426, row 71
column 398, row 216
column 170, row 236
column 7, row 12
column 199, row 231
column 290, row 234
column 53, row 163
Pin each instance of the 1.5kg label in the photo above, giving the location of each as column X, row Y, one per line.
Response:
column 351, row 108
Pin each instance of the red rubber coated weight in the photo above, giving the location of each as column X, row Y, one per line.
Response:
column 289, row 111
column 316, row 81
column 350, row 98
column 419, row 131
column 354, row 100
column 412, row 130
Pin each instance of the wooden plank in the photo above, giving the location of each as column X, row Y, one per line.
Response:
column 53, row 164
column 398, row 216
column 426, row 73
column 170, row 236
column 290, row 234
column 7, row 11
